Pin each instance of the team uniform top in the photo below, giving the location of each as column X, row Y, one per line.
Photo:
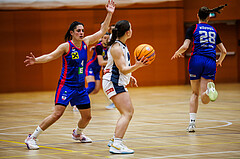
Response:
column 93, row 62
column 111, row 71
column 204, row 38
column 73, row 66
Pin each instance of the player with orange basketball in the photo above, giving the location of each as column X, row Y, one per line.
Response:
column 117, row 74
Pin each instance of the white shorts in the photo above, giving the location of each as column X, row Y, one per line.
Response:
column 112, row 89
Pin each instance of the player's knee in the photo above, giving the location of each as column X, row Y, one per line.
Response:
column 87, row 118
column 196, row 94
column 91, row 87
column 57, row 115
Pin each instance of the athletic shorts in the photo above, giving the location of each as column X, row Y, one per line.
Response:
column 93, row 70
column 201, row 66
column 76, row 96
column 112, row 89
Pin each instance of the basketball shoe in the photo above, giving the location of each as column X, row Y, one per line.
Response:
column 119, row 148
column 211, row 91
column 81, row 137
column 191, row 127
column 31, row 143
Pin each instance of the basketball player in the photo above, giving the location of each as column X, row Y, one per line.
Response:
column 117, row 75
column 93, row 68
column 202, row 63
column 71, row 86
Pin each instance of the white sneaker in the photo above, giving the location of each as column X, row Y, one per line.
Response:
column 110, row 142
column 191, row 127
column 31, row 143
column 81, row 137
column 75, row 109
column 212, row 92
column 111, row 106
column 120, row 148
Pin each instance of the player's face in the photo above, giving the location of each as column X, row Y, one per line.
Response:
column 78, row 33
column 105, row 39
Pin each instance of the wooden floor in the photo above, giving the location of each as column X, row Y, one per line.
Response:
column 157, row 130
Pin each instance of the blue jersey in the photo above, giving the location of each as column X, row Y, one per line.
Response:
column 73, row 66
column 204, row 38
column 93, row 65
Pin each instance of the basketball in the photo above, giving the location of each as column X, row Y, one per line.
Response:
column 145, row 50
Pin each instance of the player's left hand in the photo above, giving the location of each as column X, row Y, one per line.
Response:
column 110, row 6
column 133, row 81
column 176, row 55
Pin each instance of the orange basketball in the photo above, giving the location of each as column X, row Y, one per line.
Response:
column 146, row 51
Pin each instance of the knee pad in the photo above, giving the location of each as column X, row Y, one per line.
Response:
column 91, row 87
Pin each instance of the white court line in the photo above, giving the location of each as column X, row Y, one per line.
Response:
column 136, row 125
column 184, row 155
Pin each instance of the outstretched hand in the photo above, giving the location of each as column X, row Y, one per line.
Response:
column 110, row 6
column 30, row 60
column 176, row 55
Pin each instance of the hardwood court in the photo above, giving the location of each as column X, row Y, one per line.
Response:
column 158, row 128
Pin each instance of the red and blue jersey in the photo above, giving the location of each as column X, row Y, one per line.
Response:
column 204, row 38
column 93, row 62
column 73, row 66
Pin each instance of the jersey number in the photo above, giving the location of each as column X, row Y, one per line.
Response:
column 207, row 37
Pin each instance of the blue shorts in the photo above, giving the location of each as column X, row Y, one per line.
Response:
column 201, row 66
column 93, row 70
column 76, row 96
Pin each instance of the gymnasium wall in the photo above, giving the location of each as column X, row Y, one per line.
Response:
column 41, row 31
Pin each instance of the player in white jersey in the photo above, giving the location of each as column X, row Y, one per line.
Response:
column 117, row 74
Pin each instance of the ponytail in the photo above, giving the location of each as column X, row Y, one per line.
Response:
column 73, row 26
column 204, row 12
column 114, row 36
column 120, row 29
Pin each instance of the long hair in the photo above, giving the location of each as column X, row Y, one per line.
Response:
column 73, row 26
column 121, row 27
column 204, row 12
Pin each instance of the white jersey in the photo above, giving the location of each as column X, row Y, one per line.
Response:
column 112, row 73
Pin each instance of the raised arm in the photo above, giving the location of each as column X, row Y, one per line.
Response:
column 222, row 55
column 91, row 39
column 61, row 49
column 182, row 49
column 118, row 57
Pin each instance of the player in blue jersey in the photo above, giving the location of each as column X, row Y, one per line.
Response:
column 202, row 63
column 71, row 85
column 94, row 65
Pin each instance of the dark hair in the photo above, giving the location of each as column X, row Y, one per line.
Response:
column 121, row 27
column 107, row 33
column 73, row 26
column 204, row 12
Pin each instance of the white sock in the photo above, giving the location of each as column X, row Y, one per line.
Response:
column 192, row 117
column 117, row 141
column 37, row 132
column 79, row 130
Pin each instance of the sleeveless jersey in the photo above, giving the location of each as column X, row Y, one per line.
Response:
column 94, row 61
column 205, row 39
column 73, row 66
column 112, row 73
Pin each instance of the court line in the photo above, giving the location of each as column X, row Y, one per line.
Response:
column 39, row 146
column 194, row 154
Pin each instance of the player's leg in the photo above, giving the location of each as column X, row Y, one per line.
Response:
column 48, row 121
column 124, row 105
column 97, row 81
column 82, row 101
column 208, row 91
column 195, row 84
column 82, row 124
column 204, row 91
column 91, row 83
